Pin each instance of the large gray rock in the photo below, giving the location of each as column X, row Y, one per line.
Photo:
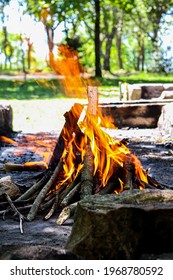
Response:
column 123, row 226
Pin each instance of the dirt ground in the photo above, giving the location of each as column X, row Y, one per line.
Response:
column 45, row 239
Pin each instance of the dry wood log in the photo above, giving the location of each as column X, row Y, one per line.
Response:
column 88, row 169
column 87, row 173
column 30, row 166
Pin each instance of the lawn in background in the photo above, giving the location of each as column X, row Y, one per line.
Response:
column 39, row 105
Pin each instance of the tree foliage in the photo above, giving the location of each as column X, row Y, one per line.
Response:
column 109, row 34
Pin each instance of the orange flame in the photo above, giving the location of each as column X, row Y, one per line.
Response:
column 68, row 66
column 36, row 164
column 108, row 154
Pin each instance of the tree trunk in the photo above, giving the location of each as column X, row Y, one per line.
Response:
column 98, row 72
column 142, row 56
column 29, row 50
column 119, row 50
column 119, row 39
column 50, row 37
column 110, row 36
column 5, row 44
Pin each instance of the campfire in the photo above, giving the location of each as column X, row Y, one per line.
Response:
column 86, row 160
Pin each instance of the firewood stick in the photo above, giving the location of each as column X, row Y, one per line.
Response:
column 36, row 187
column 70, row 187
column 164, row 186
column 20, row 208
column 54, row 206
column 45, row 206
column 69, row 197
column 148, row 186
column 87, row 172
column 108, row 189
column 66, row 213
column 16, row 203
column 128, row 185
column 35, row 166
column 40, row 197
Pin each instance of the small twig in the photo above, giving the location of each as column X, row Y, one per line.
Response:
column 69, row 197
column 70, row 187
column 54, row 206
column 16, row 203
column 3, row 212
column 16, row 211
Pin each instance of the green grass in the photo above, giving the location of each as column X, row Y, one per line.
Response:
column 40, row 105
column 138, row 78
column 29, row 90
column 50, row 89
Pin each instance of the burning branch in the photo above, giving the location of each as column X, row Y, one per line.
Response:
column 88, row 169
column 28, row 166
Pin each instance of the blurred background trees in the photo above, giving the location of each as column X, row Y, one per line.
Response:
column 109, row 35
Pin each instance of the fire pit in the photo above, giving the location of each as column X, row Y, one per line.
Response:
column 86, row 161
